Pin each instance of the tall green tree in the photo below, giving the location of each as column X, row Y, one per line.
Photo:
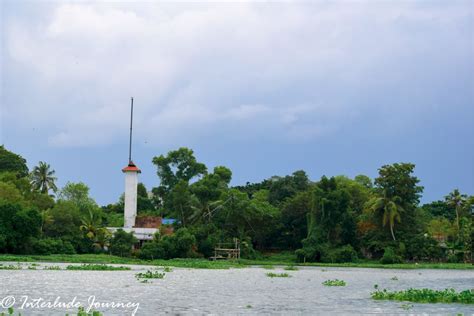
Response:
column 11, row 162
column 43, row 179
column 390, row 209
column 456, row 200
column 177, row 166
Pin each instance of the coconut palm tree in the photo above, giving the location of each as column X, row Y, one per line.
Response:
column 42, row 178
column 390, row 208
column 456, row 200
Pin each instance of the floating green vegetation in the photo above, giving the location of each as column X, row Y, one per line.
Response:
column 248, row 306
column 426, row 296
column 99, row 267
column 32, row 267
column 335, row 282
column 394, row 278
column 51, row 268
column 10, row 267
column 82, row 312
column 268, row 267
column 150, row 275
column 167, row 269
column 10, row 312
column 278, row 275
column 406, row 306
column 291, row 268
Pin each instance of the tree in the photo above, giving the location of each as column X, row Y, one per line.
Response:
column 177, row 166
column 456, row 200
column 390, row 208
column 19, row 226
column 121, row 243
column 42, row 178
column 11, row 162
column 78, row 194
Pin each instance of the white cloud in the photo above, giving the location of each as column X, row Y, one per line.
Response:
column 290, row 71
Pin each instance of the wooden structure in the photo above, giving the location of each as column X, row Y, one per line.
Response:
column 224, row 251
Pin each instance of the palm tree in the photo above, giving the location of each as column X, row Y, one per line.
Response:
column 391, row 210
column 90, row 225
column 42, row 178
column 456, row 200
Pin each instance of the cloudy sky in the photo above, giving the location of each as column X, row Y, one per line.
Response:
column 264, row 88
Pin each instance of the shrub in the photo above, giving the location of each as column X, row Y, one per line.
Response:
column 152, row 250
column 390, row 257
column 48, row 246
column 339, row 255
column 122, row 243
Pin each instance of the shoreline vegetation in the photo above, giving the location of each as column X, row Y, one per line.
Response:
column 276, row 260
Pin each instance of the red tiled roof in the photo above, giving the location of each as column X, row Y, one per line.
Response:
column 131, row 168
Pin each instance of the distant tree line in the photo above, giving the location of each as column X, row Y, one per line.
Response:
column 334, row 219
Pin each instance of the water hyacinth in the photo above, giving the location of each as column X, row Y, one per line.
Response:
column 278, row 275
column 426, row 296
column 335, row 282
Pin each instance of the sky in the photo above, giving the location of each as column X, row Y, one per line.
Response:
column 264, row 88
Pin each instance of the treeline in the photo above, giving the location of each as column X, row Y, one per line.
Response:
column 334, row 219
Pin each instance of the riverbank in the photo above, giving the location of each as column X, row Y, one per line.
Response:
column 274, row 260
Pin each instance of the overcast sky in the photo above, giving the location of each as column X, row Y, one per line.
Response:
column 267, row 88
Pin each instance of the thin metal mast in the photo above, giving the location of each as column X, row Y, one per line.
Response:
column 131, row 126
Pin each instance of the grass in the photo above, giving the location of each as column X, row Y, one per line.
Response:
column 278, row 275
column 278, row 259
column 335, row 282
column 98, row 267
column 426, row 296
column 291, row 268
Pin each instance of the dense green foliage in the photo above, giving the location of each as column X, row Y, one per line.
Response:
column 334, row 220
column 426, row 296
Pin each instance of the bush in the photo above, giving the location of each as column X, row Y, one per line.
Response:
column 152, row 250
column 122, row 243
column 50, row 246
column 390, row 257
column 341, row 254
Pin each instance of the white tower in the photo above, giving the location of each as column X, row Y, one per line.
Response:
column 131, row 182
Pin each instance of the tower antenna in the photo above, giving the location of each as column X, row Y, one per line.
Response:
column 131, row 127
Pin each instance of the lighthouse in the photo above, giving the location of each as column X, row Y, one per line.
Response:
column 131, row 182
column 142, row 230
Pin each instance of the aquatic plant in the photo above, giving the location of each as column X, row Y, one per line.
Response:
column 150, row 275
column 394, row 278
column 291, row 268
column 82, row 312
column 10, row 267
column 335, row 282
column 99, row 267
column 406, row 306
column 268, row 267
column 167, row 269
column 426, row 296
column 278, row 275
column 51, row 268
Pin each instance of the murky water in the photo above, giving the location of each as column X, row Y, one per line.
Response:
column 234, row 291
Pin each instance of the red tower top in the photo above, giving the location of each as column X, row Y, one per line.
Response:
column 131, row 168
